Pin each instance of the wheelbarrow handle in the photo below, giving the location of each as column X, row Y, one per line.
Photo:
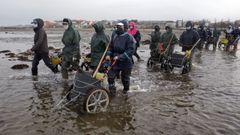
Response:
column 110, row 67
column 100, row 62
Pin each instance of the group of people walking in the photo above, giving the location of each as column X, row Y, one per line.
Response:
column 121, row 46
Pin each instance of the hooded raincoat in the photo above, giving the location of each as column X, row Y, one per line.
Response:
column 98, row 43
column 71, row 40
column 71, row 50
column 168, row 39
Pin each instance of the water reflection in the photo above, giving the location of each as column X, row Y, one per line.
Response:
column 42, row 106
column 118, row 118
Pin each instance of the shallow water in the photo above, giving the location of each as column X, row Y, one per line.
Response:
column 205, row 102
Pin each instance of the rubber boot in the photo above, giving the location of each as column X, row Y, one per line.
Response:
column 112, row 90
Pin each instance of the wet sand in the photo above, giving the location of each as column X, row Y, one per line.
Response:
column 204, row 102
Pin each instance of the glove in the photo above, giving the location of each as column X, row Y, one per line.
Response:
column 107, row 64
column 74, row 59
column 29, row 51
column 115, row 58
column 108, row 58
column 161, row 47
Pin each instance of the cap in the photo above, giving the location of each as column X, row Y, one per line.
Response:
column 120, row 24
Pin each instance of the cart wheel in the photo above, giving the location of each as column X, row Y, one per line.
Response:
column 167, row 66
column 150, row 63
column 77, row 99
column 85, row 65
column 96, row 101
column 187, row 68
column 163, row 65
column 184, row 71
column 219, row 45
column 69, row 90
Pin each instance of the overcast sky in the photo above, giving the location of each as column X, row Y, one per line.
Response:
column 13, row 12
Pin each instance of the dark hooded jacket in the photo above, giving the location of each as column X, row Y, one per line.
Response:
column 155, row 39
column 122, row 46
column 216, row 33
column 40, row 38
column 202, row 33
column 98, row 43
column 236, row 32
column 209, row 33
column 188, row 38
column 71, row 40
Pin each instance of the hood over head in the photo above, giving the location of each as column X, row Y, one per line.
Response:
column 67, row 20
column 168, row 28
column 189, row 25
column 133, row 29
column 125, row 24
column 156, row 28
column 99, row 28
column 40, row 23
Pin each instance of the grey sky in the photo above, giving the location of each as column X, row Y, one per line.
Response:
column 14, row 12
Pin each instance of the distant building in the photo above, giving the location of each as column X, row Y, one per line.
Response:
column 172, row 24
column 49, row 24
column 237, row 23
column 179, row 23
column 58, row 24
column 151, row 24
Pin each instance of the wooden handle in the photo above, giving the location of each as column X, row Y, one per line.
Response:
column 195, row 44
column 100, row 62
column 168, row 45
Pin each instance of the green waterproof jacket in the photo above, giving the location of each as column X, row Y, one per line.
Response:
column 165, row 39
column 98, row 43
column 216, row 33
column 155, row 39
column 71, row 40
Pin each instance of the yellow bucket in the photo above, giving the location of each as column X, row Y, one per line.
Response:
column 188, row 54
column 100, row 76
column 55, row 60
column 224, row 41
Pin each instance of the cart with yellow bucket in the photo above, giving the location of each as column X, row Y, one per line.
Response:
column 86, row 62
column 56, row 59
column 90, row 91
column 223, row 42
column 179, row 60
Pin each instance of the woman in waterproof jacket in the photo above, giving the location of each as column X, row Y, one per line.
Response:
column 167, row 42
column 98, row 43
column 71, row 49
column 137, row 36
column 155, row 41
column 40, row 47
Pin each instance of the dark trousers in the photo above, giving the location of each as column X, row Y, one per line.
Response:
column 125, row 76
column 200, row 45
column 37, row 58
column 67, row 62
column 215, row 41
column 136, row 54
